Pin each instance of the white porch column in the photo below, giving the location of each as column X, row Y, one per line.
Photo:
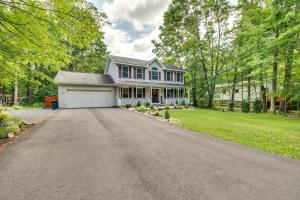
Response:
column 135, row 94
column 151, row 94
column 178, row 95
column 167, row 95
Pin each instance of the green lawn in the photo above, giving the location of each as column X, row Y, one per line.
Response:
column 277, row 134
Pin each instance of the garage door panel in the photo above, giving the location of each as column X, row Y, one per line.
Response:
column 90, row 98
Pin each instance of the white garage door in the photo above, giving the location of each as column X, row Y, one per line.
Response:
column 89, row 98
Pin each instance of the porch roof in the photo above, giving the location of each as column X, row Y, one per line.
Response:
column 150, row 84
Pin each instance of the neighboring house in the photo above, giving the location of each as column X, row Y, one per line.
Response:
column 125, row 81
column 223, row 91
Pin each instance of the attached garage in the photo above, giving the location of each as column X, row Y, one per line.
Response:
column 90, row 98
column 83, row 90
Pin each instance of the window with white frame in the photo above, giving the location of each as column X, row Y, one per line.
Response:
column 169, row 76
column 125, row 93
column 154, row 73
column 178, row 77
column 125, row 72
column 139, row 73
column 139, row 93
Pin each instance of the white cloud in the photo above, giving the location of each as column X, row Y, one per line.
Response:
column 140, row 13
column 120, row 43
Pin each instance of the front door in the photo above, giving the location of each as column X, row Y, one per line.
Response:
column 155, row 96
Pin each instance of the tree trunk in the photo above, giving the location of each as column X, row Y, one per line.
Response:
column 287, row 77
column 231, row 108
column 242, row 86
column 16, row 93
column 249, row 85
column 274, row 78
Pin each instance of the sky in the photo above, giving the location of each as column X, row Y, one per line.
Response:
column 134, row 23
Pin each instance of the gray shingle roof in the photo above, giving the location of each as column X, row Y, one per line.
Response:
column 64, row 77
column 138, row 62
column 130, row 61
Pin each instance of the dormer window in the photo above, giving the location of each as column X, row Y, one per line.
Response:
column 154, row 73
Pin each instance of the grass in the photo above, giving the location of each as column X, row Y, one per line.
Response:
column 276, row 134
column 20, row 107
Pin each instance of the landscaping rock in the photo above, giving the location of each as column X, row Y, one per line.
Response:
column 10, row 135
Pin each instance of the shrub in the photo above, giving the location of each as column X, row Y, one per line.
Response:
column 156, row 113
column 186, row 107
column 142, row 109
column 167, row 107
column 128, row 106
column 147, row 104
column 183, row 102
column 138, row 104
column 152, row 107
column 245, row 106
column 16, row 107
column 167, row 114
column 3, row 133
column 257, row 106
column 14, row 129
column 231, row 106
column 3, row 116
column 38, row 104
column 181, row 107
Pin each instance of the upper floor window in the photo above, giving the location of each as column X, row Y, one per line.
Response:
column 154, row 73
column 139, row 73
column 125, row 72
column 224, row 91
column 236, row 91
column 168, row 76
column 178, row 77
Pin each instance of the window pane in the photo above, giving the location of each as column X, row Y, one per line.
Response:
column 168, row 76
column 224, row 91
column 125, row 72
column 125, row 92
column 178, row 77
column 139, row 73
column 236, row 91
column 139, row 92
column 154, row 75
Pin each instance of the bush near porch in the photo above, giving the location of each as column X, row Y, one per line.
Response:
column 276, row 134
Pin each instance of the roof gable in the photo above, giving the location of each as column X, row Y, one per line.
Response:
column 142, row 63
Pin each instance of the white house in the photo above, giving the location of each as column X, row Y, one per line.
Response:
column 223, row 91
column 125, row 81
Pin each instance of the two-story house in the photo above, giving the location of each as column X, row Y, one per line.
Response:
column 125, row 81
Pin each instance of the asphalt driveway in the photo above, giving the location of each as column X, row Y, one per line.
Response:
column 113, row 154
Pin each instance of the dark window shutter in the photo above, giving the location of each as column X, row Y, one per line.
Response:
column 134, row 72
column 120, row 71
column 159, row 76
column 144, row 91
column 165, row 74
column 134, row 92
column 149, row 75
column 144, row 73
column 129, row 91
column 129, row 72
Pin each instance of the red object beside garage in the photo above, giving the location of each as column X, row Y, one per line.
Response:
column 48, row 100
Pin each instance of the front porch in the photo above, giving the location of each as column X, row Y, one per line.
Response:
column 154, row 95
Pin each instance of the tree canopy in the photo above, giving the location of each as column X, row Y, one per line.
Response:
column 38, row 38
